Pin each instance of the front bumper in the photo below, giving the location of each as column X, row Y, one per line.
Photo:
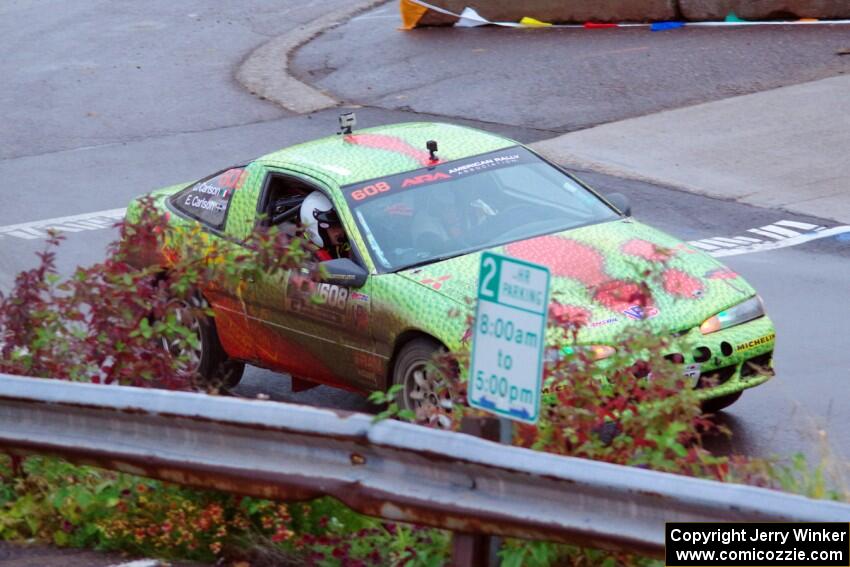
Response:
column 730, row 360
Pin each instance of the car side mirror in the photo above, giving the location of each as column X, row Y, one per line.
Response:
column 343, row 272
column 621, row 202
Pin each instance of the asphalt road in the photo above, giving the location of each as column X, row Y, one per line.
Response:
column 560, row 79
column 186, row 117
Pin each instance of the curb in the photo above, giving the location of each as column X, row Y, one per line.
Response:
column 266, row 74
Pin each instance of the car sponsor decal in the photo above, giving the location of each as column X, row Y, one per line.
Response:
column 603, row 322
column 370, row 190
column 755, row 342
column 639, row 313
column 435, row 173
column 503, row 159
column 326, row 302
column 208, row 199
column 424, row 178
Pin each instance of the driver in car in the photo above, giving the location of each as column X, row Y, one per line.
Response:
column 323, row 227
column 445, row 224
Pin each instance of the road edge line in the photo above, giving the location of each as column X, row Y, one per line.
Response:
column 266, row 71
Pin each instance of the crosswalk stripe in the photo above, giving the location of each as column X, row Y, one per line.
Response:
column 26, row 233
column 703, row 245
column 796, row 224
column 782, row 242
column 719, row 243
column 772, row 235
column 74, row 223
column 738, row 240
column 779, row 230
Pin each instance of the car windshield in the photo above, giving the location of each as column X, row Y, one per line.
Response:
column 457, row 207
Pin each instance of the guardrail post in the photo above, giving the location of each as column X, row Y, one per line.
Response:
column 475, row 550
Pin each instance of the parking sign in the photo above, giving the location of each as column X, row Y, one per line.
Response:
column 505, row 375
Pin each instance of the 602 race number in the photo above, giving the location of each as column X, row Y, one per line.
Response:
column 370, row 190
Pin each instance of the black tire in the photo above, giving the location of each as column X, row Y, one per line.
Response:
column 422, row 391
column 213, row 370
column 714, row 405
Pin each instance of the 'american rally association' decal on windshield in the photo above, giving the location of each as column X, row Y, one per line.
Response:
column 441, row 173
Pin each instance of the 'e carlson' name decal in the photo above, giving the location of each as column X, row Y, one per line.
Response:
column 756, row 342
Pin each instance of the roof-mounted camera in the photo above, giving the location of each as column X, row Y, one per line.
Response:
column 347, row 122
column 432, row 148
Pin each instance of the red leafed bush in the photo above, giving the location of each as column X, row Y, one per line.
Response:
column 109, row 322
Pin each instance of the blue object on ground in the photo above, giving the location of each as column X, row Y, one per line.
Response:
column 662, row 26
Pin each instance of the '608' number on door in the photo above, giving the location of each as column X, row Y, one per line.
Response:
column 332, row 295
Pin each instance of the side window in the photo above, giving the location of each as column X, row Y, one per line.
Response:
column 208, row 199
column 283, row 198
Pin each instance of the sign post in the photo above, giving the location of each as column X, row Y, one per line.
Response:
column 509, row 337
column 507, row 366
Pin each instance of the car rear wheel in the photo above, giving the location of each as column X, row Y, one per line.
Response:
column 206, row 362
column 424, row 390
column 714, row 405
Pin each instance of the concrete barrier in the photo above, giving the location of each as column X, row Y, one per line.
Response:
column 557, row 11
column 580, row 11
column 700, row 10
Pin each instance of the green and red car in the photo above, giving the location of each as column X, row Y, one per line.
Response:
column 417, row 221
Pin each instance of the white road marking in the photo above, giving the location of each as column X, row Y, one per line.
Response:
column 794, row 241
column 796, row 224
column 779, row 230
column 139, row 563
column 773, row 235
column 781, row 237
column 37, row 230
column 702, row 245
column 738, row 240
column 719, row 243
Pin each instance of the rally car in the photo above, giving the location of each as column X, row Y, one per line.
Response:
column 417, row 204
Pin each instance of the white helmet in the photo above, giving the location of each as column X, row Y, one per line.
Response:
column 316, row 215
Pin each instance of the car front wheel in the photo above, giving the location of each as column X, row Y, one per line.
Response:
column 425, row 390
column 205, row 362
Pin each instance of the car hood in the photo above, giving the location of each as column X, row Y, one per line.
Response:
column 598, row 274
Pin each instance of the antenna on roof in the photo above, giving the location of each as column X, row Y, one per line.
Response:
column 347, row 122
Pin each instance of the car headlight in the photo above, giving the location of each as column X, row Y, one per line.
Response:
column 745, row 311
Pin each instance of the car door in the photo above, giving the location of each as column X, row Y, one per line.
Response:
column 214, row 202
column 313, row 330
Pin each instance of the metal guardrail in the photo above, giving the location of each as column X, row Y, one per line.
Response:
column 389, row 469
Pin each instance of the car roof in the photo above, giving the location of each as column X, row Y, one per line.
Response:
column 385, row 150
